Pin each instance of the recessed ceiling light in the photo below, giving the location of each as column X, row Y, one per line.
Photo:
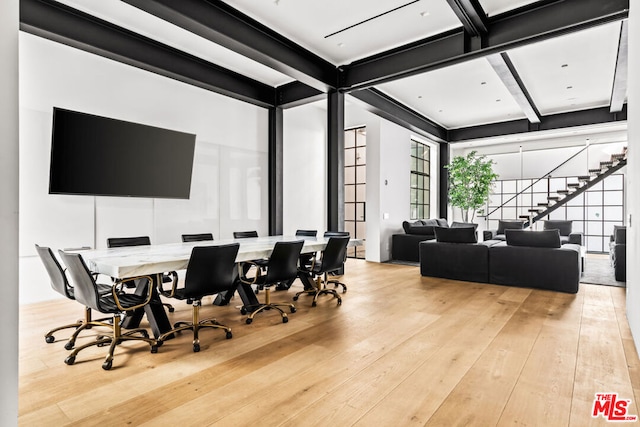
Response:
column 439, row 111
column 564, row 65
column 424, row 13
column 419, row 96
column 569, row 87
column 498, row 100
column 483, row 83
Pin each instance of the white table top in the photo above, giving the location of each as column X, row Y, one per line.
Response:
column 131, row 261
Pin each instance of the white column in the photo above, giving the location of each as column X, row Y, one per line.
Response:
column 633, row 174
column 9, row 20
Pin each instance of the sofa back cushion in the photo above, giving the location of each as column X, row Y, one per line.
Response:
column 620, row 234
column 442, row 222
column 418, row 228
column 510, row 225
column 539, row 239
column 563, row 226
column 406, row 225
column 455, row 224
column 456, row 235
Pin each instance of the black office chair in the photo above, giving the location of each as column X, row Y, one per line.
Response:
column 60, row 284
column 281, row 267
column 86, row 291
column 211, row 270
column 332, row 260
column 305, row 259
column 201, row 237
column 244, row 234
column 339, row 271
column 121, row 242
column 259, row 263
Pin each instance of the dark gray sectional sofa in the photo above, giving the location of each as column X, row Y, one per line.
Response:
column 404, row 247
column 533, row 259
column 618, row 252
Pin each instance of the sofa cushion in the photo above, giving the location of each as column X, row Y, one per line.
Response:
column 620, row 234
column 509, row 224
column 563, row 226
column 539, row 239
column 455, row 224
column 456, row 235
column 407, row 226
column 442, row 222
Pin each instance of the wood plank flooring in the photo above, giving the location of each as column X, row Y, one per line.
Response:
column 402, row 350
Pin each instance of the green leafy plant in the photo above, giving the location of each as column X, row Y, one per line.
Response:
column 471, row 180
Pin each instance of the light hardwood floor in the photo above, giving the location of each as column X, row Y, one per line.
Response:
column 401, row 350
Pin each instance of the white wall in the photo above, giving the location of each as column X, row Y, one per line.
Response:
column 9, row 210
column 305, row 168
column 633, row 175
column 388, row 179
column 229, row 183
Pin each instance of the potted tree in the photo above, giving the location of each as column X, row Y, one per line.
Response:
column 471, row 180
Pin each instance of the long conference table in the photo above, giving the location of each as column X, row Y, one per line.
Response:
column 154, row 260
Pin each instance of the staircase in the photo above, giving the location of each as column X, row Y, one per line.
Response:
column 561, row 197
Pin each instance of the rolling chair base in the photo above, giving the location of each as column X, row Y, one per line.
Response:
column 321, row 289
column 195, row 325
column 267, row 305
column 114, row 340
column 80, row 325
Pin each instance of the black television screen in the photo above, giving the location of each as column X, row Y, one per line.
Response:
column 93, row 155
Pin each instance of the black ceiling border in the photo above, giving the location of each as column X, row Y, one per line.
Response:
column 471, row 15
column 295, row 94
column 228, row 27
column 550, row 122
column 63, row 24
column 388, row 108
column 506, row 31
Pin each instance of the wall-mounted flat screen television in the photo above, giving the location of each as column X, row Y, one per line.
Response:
column 93, row 155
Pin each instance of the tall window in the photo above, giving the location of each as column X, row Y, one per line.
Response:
column 420, row 166
column 355, row 173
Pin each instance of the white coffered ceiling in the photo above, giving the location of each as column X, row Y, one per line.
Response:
column 561, row 74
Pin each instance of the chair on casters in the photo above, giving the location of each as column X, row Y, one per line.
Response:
column 332, row 260
column 259, row 263
column 304, row 260
column 244, row 234
column 211, row 270
column 87, row 293
column 281, row 267
column 340, row 271
column 201, row 237
column 60, row 284
column 120, row 242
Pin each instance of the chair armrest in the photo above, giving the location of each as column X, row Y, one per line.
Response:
column 489, row 234
column 577, row 238
column 116, row 289
column 241, row 272
column 174, row 284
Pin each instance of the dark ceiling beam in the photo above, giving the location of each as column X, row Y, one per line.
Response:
column 388, row 108
column 522, row 26
column 473, row 17
column 550, row 122
column 63, row 24
column 619, row 90
column 295, row 94
column 507, row 72
column 226, row 26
